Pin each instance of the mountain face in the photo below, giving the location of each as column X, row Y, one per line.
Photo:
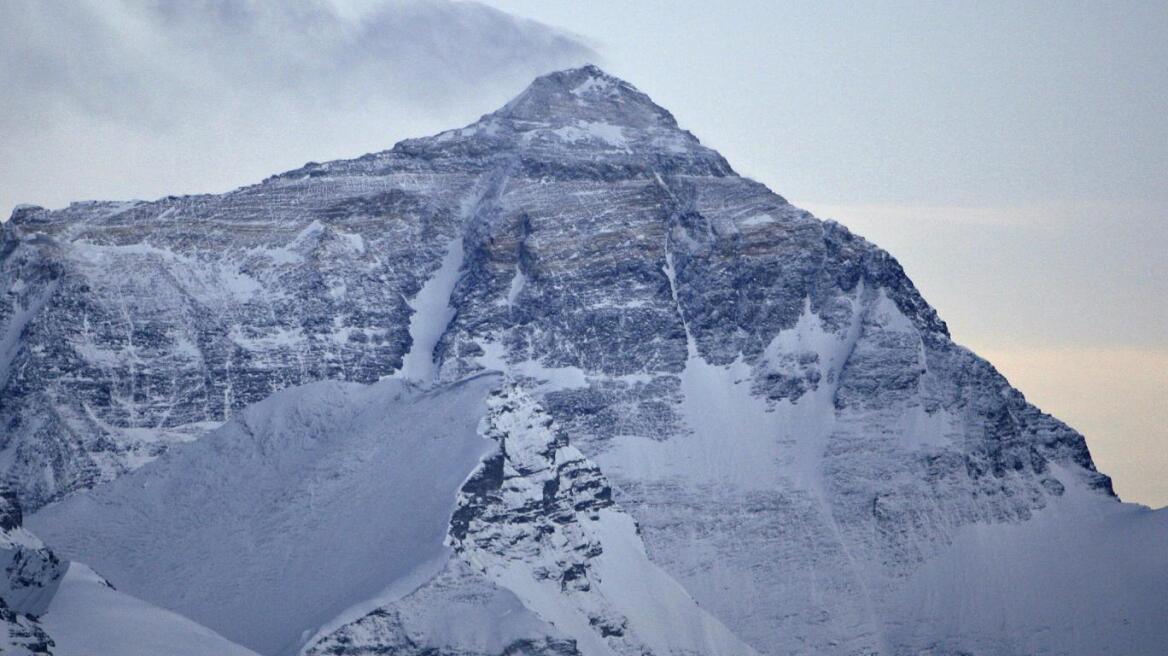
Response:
column 718, row 425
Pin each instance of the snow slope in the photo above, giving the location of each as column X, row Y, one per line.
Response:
column 537, row 518
column 88, row 617
column 1083, row 577
column 307, row 504
column 459, row 611
column 432, row 313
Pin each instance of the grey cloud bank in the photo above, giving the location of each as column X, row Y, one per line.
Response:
column 123, row 99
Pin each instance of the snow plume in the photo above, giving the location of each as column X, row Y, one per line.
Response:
column 215, row 92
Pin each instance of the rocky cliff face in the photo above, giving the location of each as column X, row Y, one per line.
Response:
column 31, row 573
column 766, row 395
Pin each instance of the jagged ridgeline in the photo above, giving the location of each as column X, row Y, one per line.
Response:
column 724, row 426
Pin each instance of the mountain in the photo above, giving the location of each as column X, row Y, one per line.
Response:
column 719, row 425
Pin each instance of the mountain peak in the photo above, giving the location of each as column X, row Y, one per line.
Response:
column 585, row 93
column 573, row 115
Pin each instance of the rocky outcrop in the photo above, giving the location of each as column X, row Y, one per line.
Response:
column 30, row 575
column 31, row 571
column 21, row 635
column 529, row 507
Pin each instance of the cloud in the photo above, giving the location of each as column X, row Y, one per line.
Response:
column 116, row 97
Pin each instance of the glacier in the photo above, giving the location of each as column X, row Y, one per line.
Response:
column 557, row 382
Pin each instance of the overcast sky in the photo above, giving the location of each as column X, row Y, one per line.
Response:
column 1013, row 156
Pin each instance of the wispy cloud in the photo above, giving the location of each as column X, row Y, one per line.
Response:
column 99, row 83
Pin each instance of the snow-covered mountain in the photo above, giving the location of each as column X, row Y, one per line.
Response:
column 720, row 425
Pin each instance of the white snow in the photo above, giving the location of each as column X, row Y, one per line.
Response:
column 432, row 313
column 209, row 281
column 594, row 85
column 459, row 611
column 275, row 337
column 595, row 131
column 291, row 253
column 756, row 220
column 89, row 618
column 547, row 379
column 734, row 438
column 660, row 613
column 354, row 241
column 309, row 503
column 613, row 135
column 736, row 446
column 19, row 537
column 517, row 283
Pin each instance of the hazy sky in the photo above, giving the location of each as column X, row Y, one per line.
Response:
column 1013, row 156
column 144, row 98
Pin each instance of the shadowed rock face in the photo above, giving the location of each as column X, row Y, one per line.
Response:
column 30, row 576
column 762, row 388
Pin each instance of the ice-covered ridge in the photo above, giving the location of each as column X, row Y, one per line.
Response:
column 1004, row 588
column 53, row 607
column 89, row 617
column 537, row 518
column 458, row 611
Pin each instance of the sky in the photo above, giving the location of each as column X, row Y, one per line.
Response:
column 1013, row 156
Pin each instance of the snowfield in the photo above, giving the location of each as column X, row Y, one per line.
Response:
column 307, row 504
